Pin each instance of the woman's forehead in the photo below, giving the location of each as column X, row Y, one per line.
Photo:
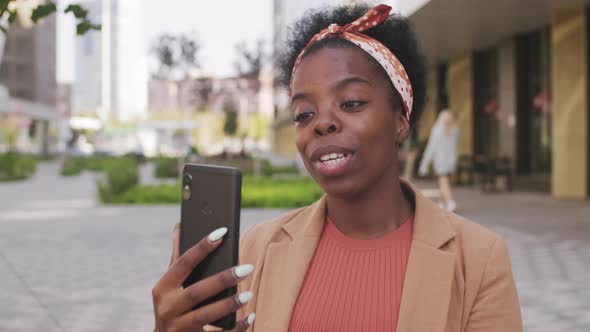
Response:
column 334, row 63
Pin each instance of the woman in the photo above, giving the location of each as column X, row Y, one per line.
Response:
column 372, row 254
column 442, row 149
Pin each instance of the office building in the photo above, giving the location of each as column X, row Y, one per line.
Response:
column 28, row 80
column 111, row 78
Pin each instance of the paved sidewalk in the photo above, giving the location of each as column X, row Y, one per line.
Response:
column 67, row 264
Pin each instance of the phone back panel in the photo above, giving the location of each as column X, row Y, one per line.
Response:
column 214, row 202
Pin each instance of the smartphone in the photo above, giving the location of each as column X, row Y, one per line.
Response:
column 211, row 197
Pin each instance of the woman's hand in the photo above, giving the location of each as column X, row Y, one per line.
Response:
column 173, row 303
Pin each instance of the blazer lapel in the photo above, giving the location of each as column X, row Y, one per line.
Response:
column 285, row 267
column 429, row 276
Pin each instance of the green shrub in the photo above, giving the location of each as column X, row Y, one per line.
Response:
column 120, row 175
column 166, row 168
column 267, row 192
column 72, row 166
column 16, row 167
column 97, row 164
column 260, row 192
column 269, row 170
column 44, row 158
column 75, row 165
column 150, row 194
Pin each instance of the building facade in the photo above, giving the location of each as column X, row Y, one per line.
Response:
column 516, row 75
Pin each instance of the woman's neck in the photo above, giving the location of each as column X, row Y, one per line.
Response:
column 372, row 214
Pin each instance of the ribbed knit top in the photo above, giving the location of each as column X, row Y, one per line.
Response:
column 353, row 285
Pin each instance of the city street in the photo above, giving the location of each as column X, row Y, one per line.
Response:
column 69, row 264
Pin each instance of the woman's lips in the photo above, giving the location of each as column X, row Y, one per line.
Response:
column 334, row 167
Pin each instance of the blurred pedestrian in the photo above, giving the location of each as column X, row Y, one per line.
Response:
column 373, row 254
column 441, row 151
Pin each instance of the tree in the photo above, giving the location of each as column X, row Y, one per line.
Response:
column 9, row 128
column 202, row 89
column 249, row 62
column 230, row 126
column 176, row 56
column 14, row 9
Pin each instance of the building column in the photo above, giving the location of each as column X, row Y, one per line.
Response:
column 431, row 106
column 507, row 99
column 569, row 75
column 460, row 83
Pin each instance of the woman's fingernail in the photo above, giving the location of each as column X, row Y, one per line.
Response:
column 177, row 226
column 243, row 270
column 217, row 234
column 245, row 297
column 250, row 319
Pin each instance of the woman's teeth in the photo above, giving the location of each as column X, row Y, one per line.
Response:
column 333, row 158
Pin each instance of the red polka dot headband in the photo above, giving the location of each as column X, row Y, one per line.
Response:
column 353, row 33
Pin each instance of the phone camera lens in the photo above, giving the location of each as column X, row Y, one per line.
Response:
column 187, row 180
column 186, row 186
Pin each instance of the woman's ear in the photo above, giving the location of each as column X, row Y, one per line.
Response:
column 403, row 128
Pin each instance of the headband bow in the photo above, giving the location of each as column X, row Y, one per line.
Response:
column 353, row 32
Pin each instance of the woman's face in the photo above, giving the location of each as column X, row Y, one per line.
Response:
column 347, row 131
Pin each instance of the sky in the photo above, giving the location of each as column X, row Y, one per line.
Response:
column 218, row 25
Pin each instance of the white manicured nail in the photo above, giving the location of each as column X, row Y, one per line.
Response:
column 243, row 270
column 217, row 234
column 250, row 319
column 245, row 297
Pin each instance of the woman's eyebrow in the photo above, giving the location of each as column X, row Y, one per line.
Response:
column 349, row 80
column 297, row 96
column 340, row 85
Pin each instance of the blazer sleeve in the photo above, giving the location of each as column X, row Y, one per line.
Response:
column 496, row 307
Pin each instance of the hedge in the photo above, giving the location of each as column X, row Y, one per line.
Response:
column 15, row 167
column 166, row 168
column 120, row 175
column 260, row 192
column 75, row 165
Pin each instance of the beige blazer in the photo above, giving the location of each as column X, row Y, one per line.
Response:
column 458, row 277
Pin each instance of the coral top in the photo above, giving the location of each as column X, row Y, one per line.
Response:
column 353, row 285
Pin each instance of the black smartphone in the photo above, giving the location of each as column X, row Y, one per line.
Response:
column 211, row 197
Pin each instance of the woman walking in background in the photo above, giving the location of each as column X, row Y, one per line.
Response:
column 442, row 151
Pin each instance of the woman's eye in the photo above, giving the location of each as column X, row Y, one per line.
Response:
column 352, row 104
column 302, row 117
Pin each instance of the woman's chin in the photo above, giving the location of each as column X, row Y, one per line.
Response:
column 343, row 188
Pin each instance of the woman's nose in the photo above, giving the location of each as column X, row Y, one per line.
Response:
column 326, row 124
column 324, row 130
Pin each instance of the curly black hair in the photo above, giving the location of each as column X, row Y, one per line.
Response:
column 396, row 33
